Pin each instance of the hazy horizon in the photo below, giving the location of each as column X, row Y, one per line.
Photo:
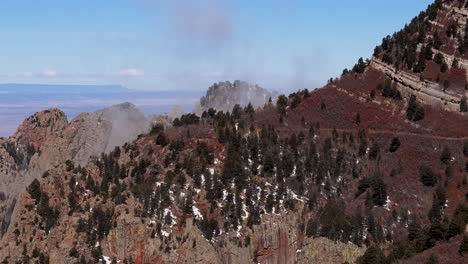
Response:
column 17, row 103
column 188, row 45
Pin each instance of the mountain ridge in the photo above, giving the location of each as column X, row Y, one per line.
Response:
column 363, row 168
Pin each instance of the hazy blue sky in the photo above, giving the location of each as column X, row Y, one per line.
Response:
column 189, row 44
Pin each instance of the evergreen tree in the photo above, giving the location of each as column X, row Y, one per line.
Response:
column 435, row 214
column 415, row 111
column 428, row 177
column 395, row 144
column 296, row 101
column 444, row 68
column 249, row 109
column 374, row 151
column 358, row 119
column 281, row 104
column 416, row 235
column 437, row 42
column 433, row 259
column 161, row 140
column 446, row 155
column 459, row 221
column 463, row 250
column 455, row 63
column 34, row 190
column 463, row 105
column 439, row 58
column 360, row 66
column 373, row 255
column 464, row 45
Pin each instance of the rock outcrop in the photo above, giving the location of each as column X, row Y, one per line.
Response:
column 46, row 139
column 224, row 95
column 428, row 57
column 427, row 91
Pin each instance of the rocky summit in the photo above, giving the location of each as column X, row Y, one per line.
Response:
column 371, row 168
column 223, row 96
column 47, row 139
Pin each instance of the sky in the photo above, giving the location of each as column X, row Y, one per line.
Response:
column 190, row 44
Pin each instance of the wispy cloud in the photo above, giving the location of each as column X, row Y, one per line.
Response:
column 49, row 73
column 202, row 20
column 130, row 72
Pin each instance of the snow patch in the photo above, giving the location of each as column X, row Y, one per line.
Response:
column 246, row 213
column 388, row 204
column 202, row 179
column 173, row 218
column 106, row 259
column 238, row 231
column 196, row 213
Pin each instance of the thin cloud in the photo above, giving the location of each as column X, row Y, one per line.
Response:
column 131, row 73
column 49, row 73
column 206, row 20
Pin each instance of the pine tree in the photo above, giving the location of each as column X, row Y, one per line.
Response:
column 296, row 101
column 464, row 45
column 433, row 259
column 373, row 255
column 34, row 190
column 446, row 156
column 437, row 43
column 415, row 111
column 358, row 119
column 435, row 214
column 281, row 104
column 439, row 58
column 379, row 193
column 459, row 221
column 463, row 105
column 428, row 177
column 463, row 250
column 374, row 151
column 395, row 144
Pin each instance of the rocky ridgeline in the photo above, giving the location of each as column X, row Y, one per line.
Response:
column 277, row 239
column 428, row 58
column 46, row 139
column 427, row 91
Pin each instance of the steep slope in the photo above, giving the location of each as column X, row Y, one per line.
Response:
column 221, row 197
column 428, row 57
column 364, row 170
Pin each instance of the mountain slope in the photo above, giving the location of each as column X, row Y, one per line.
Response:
column 46, row 139
column 364, row 170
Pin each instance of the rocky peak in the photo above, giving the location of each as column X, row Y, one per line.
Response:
column 36, row 129
column 223, row 96
column 46, row 139
column 90, row 134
